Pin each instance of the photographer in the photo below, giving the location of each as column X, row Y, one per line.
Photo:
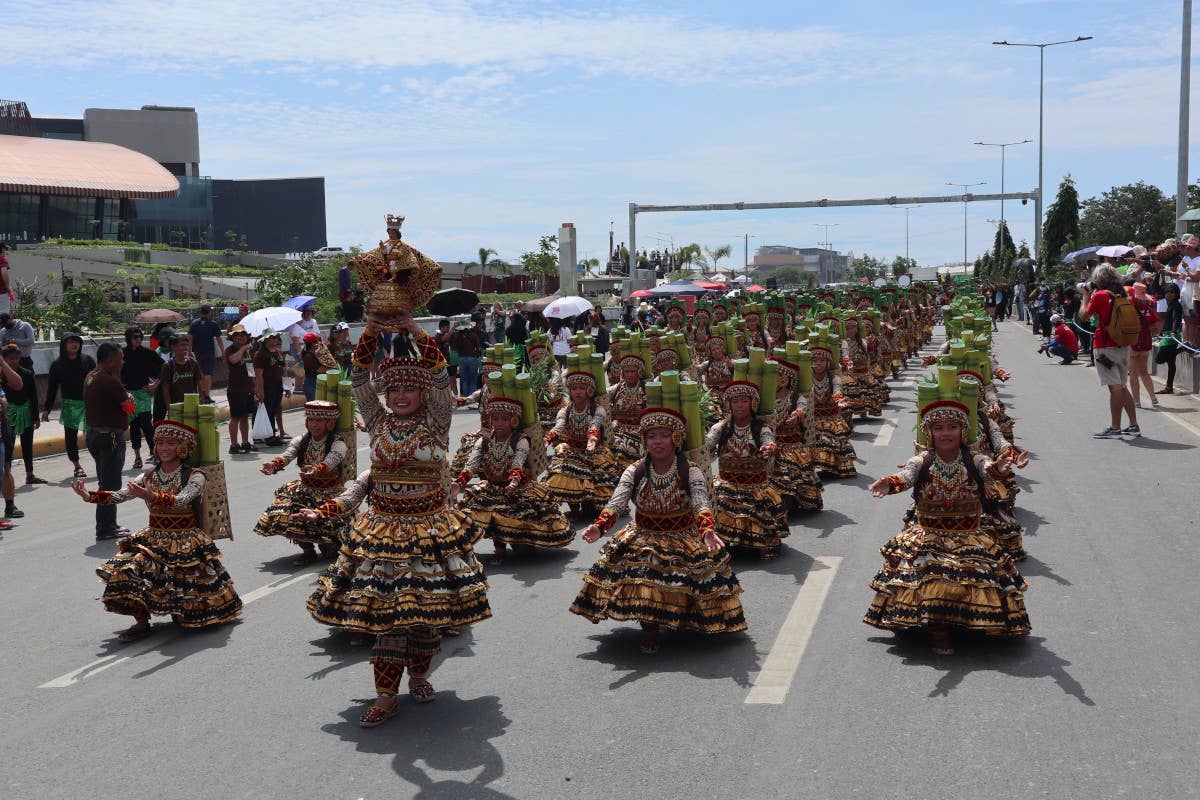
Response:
column 1168, row 349
column 1112, row 361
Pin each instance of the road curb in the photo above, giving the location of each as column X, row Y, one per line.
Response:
column 57, row 445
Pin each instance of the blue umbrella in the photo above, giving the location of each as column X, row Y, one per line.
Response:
column 300, row 302
column 1080, row 255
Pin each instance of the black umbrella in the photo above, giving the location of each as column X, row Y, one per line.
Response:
column 449, row 302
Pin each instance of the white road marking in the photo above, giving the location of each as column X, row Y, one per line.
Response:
column 772, row 683
column 1177, row 420
column 153, row 641
column 884, row 435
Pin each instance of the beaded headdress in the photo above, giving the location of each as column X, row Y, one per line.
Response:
column 407, row 371
column 736, row 389
column 506, row 404
column 169, row 430
column 578, row 378
column 653, row 418
column 321, row 409
column 632, row 360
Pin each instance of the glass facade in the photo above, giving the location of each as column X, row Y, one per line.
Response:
column 186, row 220
column 32, row 217
column 19, row 215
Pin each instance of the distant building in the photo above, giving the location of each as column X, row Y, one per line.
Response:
column 270, row 216
column 828, row 265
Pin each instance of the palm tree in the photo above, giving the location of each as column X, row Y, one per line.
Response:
column 724, row 251
column 688, row 255
column 485, row 261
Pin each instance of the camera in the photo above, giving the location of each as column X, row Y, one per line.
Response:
column 1104, row 361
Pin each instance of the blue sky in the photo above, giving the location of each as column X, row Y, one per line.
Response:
column 490, row 123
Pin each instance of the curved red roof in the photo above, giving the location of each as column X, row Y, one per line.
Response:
column 80, row 169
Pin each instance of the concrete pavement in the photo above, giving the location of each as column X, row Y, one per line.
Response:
column 1099, row 702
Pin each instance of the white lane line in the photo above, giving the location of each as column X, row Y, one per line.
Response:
column 1178, row 421
column 101, row 664
column 884, row 436
column 773, row 681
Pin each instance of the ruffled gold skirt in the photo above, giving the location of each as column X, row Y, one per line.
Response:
column 749, row 515
column 531, row 516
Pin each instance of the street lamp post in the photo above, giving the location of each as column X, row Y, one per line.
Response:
column 1037, row 233
column 828, row 246
column 964, row 187
column 906, row 210
column 1003, row 225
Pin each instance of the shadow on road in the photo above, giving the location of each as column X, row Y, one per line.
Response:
column 823, row 522
column 1035, row 567
column 189, row 641
column 1158, row 444
column 1023, row 657
column 528, row 565
column 718, row 657
column 449, row 735
column 1031, row 521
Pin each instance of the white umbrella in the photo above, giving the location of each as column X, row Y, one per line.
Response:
column 1114, row 251
column 567, row 307
column 276, row 317
column 741, row 279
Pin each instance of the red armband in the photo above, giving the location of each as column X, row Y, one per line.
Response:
column 365, row 350
column 330, row 508
column 705, row 522
column 606, row 520
column 459, row 402
column 101, row 497
column 516, row 474
column 463, row 479
column 551, row 437
column 321, row 467
column 895, row 484
column 838, row 397
column 594, row 433
column 278, row 463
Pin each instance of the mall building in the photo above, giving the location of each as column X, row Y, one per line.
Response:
column 135, row 175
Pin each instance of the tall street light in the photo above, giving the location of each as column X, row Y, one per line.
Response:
column 1041, row 46
column 828, row 246
column 964, row 187
column 1003, row 147
column 906, row 210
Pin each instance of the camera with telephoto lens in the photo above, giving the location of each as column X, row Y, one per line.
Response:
column 1104, row 361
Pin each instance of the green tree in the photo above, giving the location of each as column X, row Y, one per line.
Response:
column 309, row 275
column 1061, row 228
column 541, row 263
column 715, row 255
column 865, row 266
column 902, row 266
column 689, row 256
column 1136, row 212
column 485, row 261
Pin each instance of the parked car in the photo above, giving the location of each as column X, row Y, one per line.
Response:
column 328, row 252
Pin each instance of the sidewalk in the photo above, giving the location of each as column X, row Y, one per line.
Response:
column 48, row 440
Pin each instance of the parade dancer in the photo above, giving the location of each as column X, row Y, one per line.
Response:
column 319, row 454
column 170, row 567
column 547, row 382
column 406, row 569
column 942, row 572
column 627, row 399
column 748, row 508
column 715, row 375
column 859, row 386
column 582, row 470
column 509, row 506
column 479, row 396
column 667, row 568
column 832, row 453
column 794, row 476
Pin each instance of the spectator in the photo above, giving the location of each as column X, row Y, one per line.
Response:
column 340, row 345
column 204, row 340
column 243, row 311
column 560, row 340
column 20, row 389
column 140, row 374
column 1041, row 312
column 517, row 333
column 1186, row 273
column 1019, row 300
column 312, row 365
column 499, row 320
column 1112, row 362
column 67, row 373
column 240, row 391
column 5, row 459
column 1168, row 349
column 352, row 308
column 468, row 344
column 1064, row 345
column 598, row 330
column 107, row 407
column 345, row 282
column 20, row 333
column 181, row 373
column 306, row 324
column 5, row 281
column 269, row 364
column 1139, row 353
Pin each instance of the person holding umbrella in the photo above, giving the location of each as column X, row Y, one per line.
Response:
column 268, row 383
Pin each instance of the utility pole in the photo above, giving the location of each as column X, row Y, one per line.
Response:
column 1185, row 68
column 964, row 187
column 906, row 210
column 1037, row 232
column 828, row 247
column 1003, row 225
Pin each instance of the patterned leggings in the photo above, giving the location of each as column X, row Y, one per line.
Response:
column 409, row 647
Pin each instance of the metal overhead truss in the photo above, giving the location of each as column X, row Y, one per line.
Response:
column 636, row 208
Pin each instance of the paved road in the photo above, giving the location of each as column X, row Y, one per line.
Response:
column 1100, row 702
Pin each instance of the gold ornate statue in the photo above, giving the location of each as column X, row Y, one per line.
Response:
column 394, row 276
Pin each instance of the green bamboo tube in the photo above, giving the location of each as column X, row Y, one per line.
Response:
column 647, row 359
column 508, row 379
column 947, row 381
column 685, row 352
column 803, row 362
column 207, row 447
column 927, row 392
column 689, row 401
column 767, row 387
column 175, row 412
column 958, row 349
column 757, row 356
column 322, row 387
column 670, row 381
column 968, row 395
column 741, row 368
column 214, row 444
column 654, row 394
column 599, row 372
column 584, row 352
column 791, row 350
column 345, row 401
column 191, row 409
column 529, row 414
column 572, row 361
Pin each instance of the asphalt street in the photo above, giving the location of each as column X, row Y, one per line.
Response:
column 1100, row 702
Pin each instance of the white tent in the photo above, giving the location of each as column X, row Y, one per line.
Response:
column 742, row 279
column 718, row 278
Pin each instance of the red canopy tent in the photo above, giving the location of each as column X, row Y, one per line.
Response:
column 710, row 285
column 755, row 288
column 640, row 293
